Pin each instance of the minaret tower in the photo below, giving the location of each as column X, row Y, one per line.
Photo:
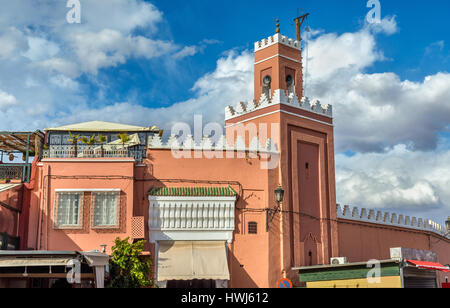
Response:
column 303, row 134
column 278, row 65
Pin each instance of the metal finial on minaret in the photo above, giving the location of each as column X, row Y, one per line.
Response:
column 278, row 26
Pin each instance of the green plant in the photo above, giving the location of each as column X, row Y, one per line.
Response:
column 128, row 268
column 89, row 141
column 74, row 139
column 124, row 138
column 102, row 139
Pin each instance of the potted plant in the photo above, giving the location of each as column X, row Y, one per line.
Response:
column 124, row 138
column 102, row 140
column 90, row 142
column 46, row 152
column 16, row 181
column 74, row 139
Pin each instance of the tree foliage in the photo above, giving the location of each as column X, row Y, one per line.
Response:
column 128, row 268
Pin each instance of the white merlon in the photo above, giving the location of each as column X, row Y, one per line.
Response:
column 388, row 219
column 277, row 38
column 207, row 144
column 156, row 141
column 241, row 107
column 229, row 112
column 279, row 97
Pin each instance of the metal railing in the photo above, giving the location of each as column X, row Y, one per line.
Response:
column 83, row 151
column 11, row 172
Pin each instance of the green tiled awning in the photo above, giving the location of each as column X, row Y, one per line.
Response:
column 192, row 192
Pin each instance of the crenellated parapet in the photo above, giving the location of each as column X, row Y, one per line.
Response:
column 277, row 38
column 390, row 219
column 279, row 97
column 207, row 144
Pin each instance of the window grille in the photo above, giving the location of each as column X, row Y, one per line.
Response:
column 252, row 228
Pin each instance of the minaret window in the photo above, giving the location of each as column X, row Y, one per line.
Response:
column 267, row 81
column 290, row 86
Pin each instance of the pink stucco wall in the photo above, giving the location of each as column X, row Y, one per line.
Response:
column 361, row 242
column 249, row 255
column 85, row 175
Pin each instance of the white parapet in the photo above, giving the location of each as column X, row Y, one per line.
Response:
column 279, row 97
column 206, row 144
column 390, row 219
column 277, row 39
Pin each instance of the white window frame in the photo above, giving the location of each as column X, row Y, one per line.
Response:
column 79, row 225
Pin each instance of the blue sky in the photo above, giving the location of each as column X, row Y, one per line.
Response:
column 237, row 24
column 160, row 62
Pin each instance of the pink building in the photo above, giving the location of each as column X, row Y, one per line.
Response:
column 209, row 209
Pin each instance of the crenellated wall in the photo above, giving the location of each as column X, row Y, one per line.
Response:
column 277, row 38
column 279, row 97
column 390, row 219
column 369, row 234
column 208, row 145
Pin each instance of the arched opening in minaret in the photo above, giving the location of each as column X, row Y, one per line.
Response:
column 267, row 84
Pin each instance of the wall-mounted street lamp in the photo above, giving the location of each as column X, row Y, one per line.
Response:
column 279, row 197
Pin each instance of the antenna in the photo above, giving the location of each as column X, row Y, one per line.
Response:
column 299, row 22
column 305, row 77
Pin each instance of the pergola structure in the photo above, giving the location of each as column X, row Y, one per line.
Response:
column 11, row 143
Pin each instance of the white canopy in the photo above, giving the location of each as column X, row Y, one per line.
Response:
column 192, row 260
column 98, row 126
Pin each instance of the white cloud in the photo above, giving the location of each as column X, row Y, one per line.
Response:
column 229, row 83
column 40, row 49
column 7, row 100
column 60, row 65
column 186, row 52
column 374, row 111
column 64, row 82
column 347, row 53
column 396, row 179
column 120, row 15
column 108, row 48
column 12, row 42
column 387, row 25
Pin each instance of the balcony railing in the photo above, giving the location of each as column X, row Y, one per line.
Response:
column 11, row 172
column 83, row 151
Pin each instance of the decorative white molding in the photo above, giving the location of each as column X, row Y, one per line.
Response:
column 277, row 111
column 277, row 38
column 88, row 160
column 279, row 97
column 191, row 218
column 277, row 55
column 89, row 190
column 388, row 219
column 222, row 145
